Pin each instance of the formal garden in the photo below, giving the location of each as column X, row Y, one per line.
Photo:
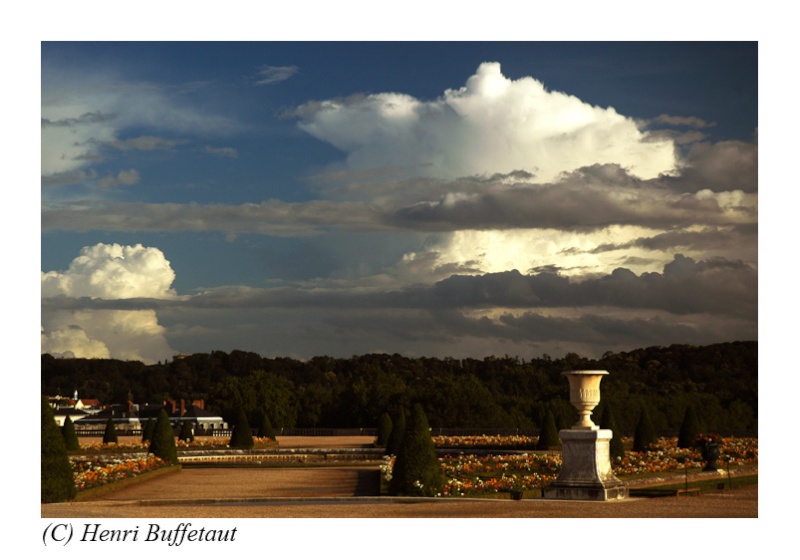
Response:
column 415, row 463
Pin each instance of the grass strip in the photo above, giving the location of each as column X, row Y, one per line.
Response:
column 707, row 485
column 277, row 464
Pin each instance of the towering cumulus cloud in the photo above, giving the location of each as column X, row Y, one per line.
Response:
column 492, row 124
column 108, row 272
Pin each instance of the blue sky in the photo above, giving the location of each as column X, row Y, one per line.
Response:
column 431, row 199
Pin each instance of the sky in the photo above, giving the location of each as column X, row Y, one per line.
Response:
column 461, row 199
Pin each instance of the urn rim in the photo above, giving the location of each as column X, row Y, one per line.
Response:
column 585, row 372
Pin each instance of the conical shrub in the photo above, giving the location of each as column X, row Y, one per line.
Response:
column 58, row 484
column 110, row 435
column 242, row 436
column 645, row 434
column 149, row 428
column 548, row 435
column 398, row 432
column 162, row 443
column 609, row 422
column 690, row 428
column 416, row 469
column 384, row 430
column 265, row 428
column 70, row 437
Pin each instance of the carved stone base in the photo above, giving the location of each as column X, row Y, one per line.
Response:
column 586, row 472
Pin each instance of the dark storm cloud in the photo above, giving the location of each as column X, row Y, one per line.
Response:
column 571, row 206
column 685, row 287
column 452, row 332
column 702, row 240
column 595, row 329
column 724, row 166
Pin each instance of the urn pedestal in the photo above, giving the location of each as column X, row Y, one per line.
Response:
column 586, row 472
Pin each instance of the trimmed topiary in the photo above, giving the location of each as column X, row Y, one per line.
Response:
column 608, row 422
column 149, row 428
column 548, row 435
column 70, row 437
column 265, row 427
column 384, row 430
column 690, row 427
column 58, row 484
column 162, row 443
column 242, row 436
column 416, row 469
column 645, row 434
column 110, row 435
column 398, row 431
column 187, row 433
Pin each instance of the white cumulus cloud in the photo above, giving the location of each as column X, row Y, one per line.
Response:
column 113, row 271
column 109, row 271
column 492, row 124
column 71, row 341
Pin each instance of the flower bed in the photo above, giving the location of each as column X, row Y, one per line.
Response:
column 97, row 448
column 485, row 442
column 472, row 474
column 97, row 471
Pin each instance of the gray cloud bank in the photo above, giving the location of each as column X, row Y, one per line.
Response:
column 566, row 205
column 684, row 287
column 690, row 302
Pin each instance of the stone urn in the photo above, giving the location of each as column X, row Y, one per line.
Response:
column 584, row 394
column 709, row 449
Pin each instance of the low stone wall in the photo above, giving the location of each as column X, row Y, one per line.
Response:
column 281, row 456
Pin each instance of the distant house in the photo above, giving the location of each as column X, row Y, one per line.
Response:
column 62, row 413
column 89, row 405
column 179, row 412
column 123, row 416
column 203, row 419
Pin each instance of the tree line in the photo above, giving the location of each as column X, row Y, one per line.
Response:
column 719, row 381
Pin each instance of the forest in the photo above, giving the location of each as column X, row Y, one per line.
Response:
column 720, row 381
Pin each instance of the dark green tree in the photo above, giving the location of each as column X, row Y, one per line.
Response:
column 265, row 428
column 645, row 434
column 70, row 437
column 162, row 443
column 149, row 428
column 416, row 469
column 690, row 428
column 187, row 433
column 398, row 432
column 58, row 484
column 384, row 430
column 608, row 422
column 110, row 435
column 242, row 436
column 548, row 434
